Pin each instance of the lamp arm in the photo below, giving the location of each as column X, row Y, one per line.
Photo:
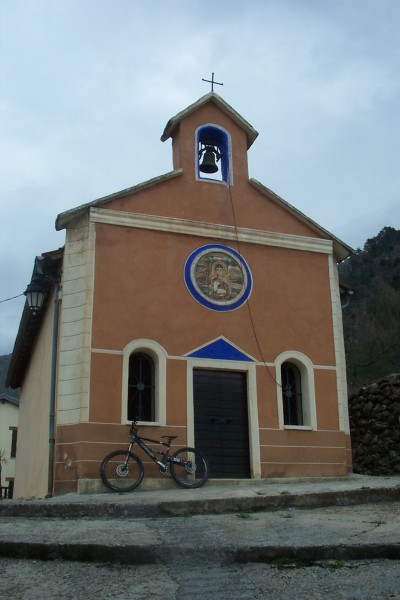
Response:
column 53, row 278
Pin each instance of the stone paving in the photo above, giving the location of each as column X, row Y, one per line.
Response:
column 343, row 519
column 312, row 540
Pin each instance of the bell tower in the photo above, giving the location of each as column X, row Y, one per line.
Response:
column 210, row 140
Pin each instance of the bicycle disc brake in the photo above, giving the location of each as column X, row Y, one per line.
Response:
column 122, row 470
column 190, row 467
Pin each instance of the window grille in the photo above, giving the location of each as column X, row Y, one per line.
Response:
column 141, row 388
column 292, row 395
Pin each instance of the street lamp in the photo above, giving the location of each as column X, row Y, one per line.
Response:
column 35, row 296
column 35, row 292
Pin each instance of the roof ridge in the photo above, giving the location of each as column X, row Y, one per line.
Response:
column 173, row 122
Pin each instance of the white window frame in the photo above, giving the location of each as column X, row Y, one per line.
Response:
column 306, row 368
column 159, row 356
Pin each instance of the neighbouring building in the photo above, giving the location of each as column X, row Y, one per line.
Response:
column 199, row 302
column 9, row 408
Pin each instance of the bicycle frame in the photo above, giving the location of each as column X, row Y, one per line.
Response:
column 152, row 454
column 140, row 441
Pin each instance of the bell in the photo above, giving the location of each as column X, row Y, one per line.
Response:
column 209, row 164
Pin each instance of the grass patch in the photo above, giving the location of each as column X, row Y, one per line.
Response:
column 244, row 513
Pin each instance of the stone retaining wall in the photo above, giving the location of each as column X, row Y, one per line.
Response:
column 374, row 413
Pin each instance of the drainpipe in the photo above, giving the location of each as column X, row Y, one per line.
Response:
column 53, row 380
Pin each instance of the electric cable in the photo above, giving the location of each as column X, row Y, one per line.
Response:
column 248, row 299
column 12, row 298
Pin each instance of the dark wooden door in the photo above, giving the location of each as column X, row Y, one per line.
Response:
column 221, row 425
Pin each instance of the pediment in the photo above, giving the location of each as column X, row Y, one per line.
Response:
column 220, row 349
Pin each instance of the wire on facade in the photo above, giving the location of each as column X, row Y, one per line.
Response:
column 248, row 300
column 12, row 298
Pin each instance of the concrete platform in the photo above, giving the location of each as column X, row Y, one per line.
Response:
column 353, row 518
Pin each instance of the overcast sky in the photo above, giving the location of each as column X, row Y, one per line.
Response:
column 87, row 87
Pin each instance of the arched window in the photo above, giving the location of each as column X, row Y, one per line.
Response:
column 144, row 382
column 291, row 394
column 295, row 390
column 214, row 155
column 141, row 387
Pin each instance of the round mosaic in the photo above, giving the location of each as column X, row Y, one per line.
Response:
column 218, row 277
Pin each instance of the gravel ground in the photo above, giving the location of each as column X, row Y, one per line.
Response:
column 352, row 580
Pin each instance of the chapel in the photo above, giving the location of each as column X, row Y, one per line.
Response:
column 200, row 303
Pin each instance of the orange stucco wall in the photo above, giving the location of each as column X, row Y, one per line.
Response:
column 139, row 274
column 290, row 307
column 105, row 388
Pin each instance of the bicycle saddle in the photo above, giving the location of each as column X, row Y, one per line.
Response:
column 169, row 437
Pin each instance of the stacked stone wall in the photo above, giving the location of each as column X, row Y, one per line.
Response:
column 374, row 413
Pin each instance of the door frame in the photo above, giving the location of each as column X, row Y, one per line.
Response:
column 252, row 409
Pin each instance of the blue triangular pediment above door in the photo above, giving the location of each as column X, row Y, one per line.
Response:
column 220, row 349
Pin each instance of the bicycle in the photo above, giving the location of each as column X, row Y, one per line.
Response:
column 123, row 471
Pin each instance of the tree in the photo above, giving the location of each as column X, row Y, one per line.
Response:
column 372, row 321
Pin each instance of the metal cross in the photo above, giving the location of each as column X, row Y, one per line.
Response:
column 212, row 82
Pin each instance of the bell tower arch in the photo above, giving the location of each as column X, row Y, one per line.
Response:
column 213, row 154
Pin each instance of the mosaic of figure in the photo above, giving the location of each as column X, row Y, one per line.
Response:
column 219, row 277
column 219, row 287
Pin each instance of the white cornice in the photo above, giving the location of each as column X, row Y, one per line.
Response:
column 200, row 229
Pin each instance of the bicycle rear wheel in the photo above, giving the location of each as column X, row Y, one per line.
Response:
column 189, row 468
column 120, row 474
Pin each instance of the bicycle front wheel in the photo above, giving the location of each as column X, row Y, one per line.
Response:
column 189, row 468
column 121, row 471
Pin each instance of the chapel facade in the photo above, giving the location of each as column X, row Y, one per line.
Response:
column 201, row 304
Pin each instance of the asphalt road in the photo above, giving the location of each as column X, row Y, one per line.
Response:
column 185, row 580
